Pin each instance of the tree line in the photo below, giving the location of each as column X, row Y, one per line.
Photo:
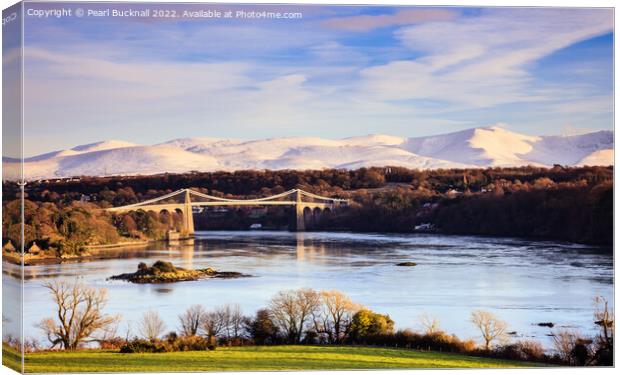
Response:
column 574, row 212
column 122, row 190
column 300, row 317
column 61, row 230
column 572, row 204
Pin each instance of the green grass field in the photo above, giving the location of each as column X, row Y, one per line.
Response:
column 255, row 358
column 11, row 358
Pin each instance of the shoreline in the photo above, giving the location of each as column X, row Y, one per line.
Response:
column 119, row 244
column 102, row 252
column 93, row 252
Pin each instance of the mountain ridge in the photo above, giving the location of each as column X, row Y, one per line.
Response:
column 481, row 147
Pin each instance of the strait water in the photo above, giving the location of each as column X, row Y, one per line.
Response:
column 523, row 282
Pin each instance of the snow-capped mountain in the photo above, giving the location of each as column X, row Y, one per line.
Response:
column 477, row 147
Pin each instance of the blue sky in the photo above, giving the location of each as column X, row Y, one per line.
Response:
column 339, row 71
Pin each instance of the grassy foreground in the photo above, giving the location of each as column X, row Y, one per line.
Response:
column 11, row 358
column 256, row 358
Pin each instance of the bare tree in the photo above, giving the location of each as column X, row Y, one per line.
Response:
column 152, row 326
column 224, row 316
column 109, row 333
column 285, row 313
column 236, row 321
column 604, row 318
column 489, row 325
column 79, row 314
column 564, row 342
column 31, row 345
column 228, row 321
column 214, row 323
column 293, row 309
column 128, row 332
column 430, row 325
column 334, row 316
column 191, row 320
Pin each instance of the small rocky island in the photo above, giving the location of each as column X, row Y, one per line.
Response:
column 165, row 272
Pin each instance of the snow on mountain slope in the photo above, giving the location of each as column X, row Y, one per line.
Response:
column 201, row 144
column 570, row 150
column 353, row 156
column 496, row 146
column 91, row 147
column 600, row 157
column 121, row 161
column 104, row 145
column 53, row 154
column 501, row 146
column 374, row 140
column 492, row 146
column 269, row 149
column 478, row 147
column 412, row 161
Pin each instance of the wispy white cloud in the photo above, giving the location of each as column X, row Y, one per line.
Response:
column 332, row 52
column 369, row 22
column 255, row 81
column 90, row 97
column 484, row 60
column 147, row 79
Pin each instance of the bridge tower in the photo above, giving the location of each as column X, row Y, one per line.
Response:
column 188, row 214
column 299, row 212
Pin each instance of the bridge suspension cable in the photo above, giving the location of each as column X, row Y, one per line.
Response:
column 266, row 200
column 186, row 207
column 206, row 196
column 310, row 195
column 154, row 200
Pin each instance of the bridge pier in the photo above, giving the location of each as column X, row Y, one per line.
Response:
column 188, row 215
column 299, row 213
column 300, row 219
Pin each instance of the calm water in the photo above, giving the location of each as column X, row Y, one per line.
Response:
column 523, row 282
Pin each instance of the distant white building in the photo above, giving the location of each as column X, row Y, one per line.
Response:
column 424, row 227
column 453, row 192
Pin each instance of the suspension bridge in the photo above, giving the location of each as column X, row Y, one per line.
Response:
column 308, row 207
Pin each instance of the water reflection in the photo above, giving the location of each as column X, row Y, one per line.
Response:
column 524, row 282
column 163, row 290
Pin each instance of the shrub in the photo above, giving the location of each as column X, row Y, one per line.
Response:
column 368, row 326
column 172, row 343
column 112, row 343
column 444, row 342
column 437, row 341
column 262, row 329
column 310, row 338
column 143, row 346
column 172, row 337
column 164, row 266
column 524, row 350
column 533, row 350
column 582, row 352
column 235, row 341
column 188, row 343
column 573, row 349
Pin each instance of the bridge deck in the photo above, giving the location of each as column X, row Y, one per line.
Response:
column 188, row 221
column 173, row 206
